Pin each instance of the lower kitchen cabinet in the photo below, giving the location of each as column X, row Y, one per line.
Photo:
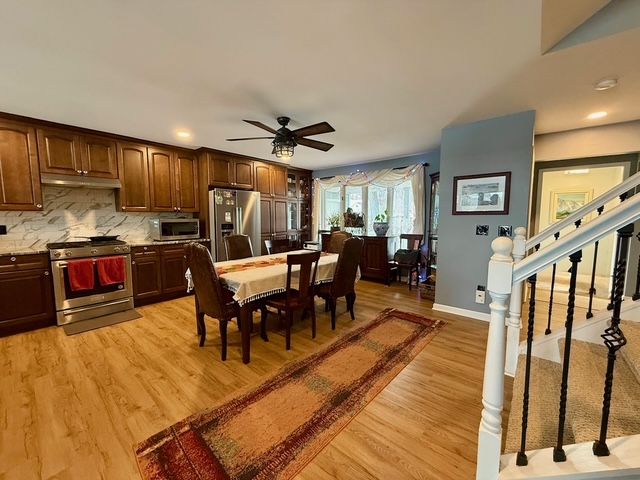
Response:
column 26, row 294
column 158, row 273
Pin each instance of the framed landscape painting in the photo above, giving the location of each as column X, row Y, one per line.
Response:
column 486, row 194
column 564, row 203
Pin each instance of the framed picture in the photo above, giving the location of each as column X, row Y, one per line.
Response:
column 486, row 194
column 565, row 202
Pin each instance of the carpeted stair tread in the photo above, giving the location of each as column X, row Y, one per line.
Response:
column 631, row 351
column 586, row 389
column 544, row 394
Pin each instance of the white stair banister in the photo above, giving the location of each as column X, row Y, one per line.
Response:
column 514, row 320
column 499, row 284
column 629, row 184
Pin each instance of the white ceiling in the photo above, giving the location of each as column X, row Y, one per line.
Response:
column 387, row 74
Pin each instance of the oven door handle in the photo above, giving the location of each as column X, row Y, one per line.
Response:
column 64, row 263
column 92, row 307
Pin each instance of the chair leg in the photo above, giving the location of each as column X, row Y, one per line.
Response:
column 263, row 323
column 333, row 313
column 351, row 300
column 409, row 277
column 313, row 323
column 202, row 328
column 326, row 304
column 223, row 338
column 288, row 327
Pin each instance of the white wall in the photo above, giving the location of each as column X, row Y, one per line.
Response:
column 613, row 139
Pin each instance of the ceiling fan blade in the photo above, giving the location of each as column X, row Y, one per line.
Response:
column 247, row 138
column 317, row 129
column 307, row 142
column 260, row 125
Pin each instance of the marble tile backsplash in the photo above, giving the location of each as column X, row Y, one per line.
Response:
column 73, row 212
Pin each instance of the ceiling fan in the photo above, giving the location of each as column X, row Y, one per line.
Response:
column 284, row 140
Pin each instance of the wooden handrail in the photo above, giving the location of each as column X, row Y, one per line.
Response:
column 630, row 183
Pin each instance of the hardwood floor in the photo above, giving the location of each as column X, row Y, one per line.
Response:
column 73, row 407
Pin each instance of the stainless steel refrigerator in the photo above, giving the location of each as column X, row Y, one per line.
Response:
column 233, row 212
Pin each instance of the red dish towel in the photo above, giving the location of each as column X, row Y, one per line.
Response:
column 81, row 276
column 111, row 270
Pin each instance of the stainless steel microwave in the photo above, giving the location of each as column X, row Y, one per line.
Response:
column 174, row 228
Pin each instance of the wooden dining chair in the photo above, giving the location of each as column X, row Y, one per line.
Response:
column 293, row 300
column 409, row 259
column 336, row 240
column 281, row 245
column 238, row 246
column 344, row 279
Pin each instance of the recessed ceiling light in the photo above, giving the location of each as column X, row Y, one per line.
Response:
column 606, row 84
column 596, row 115
column 183, row 134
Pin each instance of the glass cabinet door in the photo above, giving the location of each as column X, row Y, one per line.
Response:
column 293, row 222
column 292, row 185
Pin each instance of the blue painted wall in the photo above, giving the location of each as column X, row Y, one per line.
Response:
column 494, row 145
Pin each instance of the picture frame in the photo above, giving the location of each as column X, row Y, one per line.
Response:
column 482, row 194
column 564, row 202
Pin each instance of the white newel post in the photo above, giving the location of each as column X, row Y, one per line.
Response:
column 514, row 320
column 490, row 432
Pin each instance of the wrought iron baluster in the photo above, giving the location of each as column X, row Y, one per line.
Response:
column 558, row 452
column 592, row 289
column 614, row 340
column 521, row 459
column 623, row 197
column 553, row 283
column 636, row 294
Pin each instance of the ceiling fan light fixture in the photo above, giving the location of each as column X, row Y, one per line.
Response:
column 283, row 149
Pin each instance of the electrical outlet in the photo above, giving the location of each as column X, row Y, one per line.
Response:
column 3, row 229
column 480, row 294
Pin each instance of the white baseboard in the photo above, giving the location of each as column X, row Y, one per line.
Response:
column 485, row 317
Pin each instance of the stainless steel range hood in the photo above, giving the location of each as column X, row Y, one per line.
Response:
column 79, row 181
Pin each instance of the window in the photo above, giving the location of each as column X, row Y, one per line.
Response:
column 331, row 205
column 377, row 203
column 404, row 212
column 353, row 199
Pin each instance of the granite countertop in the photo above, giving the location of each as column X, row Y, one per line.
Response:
column 141, row 243
column 21, row 250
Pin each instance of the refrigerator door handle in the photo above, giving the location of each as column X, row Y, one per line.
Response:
column 239, row 221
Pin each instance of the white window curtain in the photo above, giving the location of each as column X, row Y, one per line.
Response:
column 371, row 184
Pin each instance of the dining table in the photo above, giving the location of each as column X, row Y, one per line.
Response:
column 252, row 279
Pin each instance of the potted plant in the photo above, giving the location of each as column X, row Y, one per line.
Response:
column 334, row 221
column 381, row 224
column 352, row 220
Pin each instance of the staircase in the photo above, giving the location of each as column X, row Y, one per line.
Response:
column 575, row 409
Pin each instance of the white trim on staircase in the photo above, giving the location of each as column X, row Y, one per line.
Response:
column 485, row 317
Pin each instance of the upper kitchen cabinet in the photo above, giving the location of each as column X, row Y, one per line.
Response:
column 162, row 191
column 134, row 195
column 99, row 157
column 229, row 171
column 67, row 153
column 278, row 181
column 20, row 179
column 298, row 185
column 263, row 178
column 186, row 178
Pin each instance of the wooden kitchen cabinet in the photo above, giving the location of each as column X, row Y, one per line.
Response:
column 133, row 195
column 26, row 294
column 146, row 272
column 66, row 152
column 227, row 170
column 174, row 266
column 20, row 179
column 278, row 181
column 374, row 264
column 162, row 184
column 186, row 178
column 263, row 178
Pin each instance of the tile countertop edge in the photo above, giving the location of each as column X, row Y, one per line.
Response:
column 143, row 243
column 14, row 251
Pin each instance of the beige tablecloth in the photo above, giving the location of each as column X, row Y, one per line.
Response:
column 266, row 275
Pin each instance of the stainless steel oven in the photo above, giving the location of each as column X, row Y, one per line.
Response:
column 72, row 306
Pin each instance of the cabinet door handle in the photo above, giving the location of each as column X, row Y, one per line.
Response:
column 13, row 259
column 179, row 209
column 144, row 248
column 85, row 172
column 79, row 172
column 46, row 273
column 124, row 208
column 175, row 209
column 38, row 205
column 133, row 262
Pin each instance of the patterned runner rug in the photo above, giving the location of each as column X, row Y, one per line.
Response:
column 274, row 430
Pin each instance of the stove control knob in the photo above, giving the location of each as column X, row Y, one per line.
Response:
column 67, row 253
column 56, row 254
column 94, row 251
column 116, row 249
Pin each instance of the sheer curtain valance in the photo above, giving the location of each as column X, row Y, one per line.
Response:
column 387, row 178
